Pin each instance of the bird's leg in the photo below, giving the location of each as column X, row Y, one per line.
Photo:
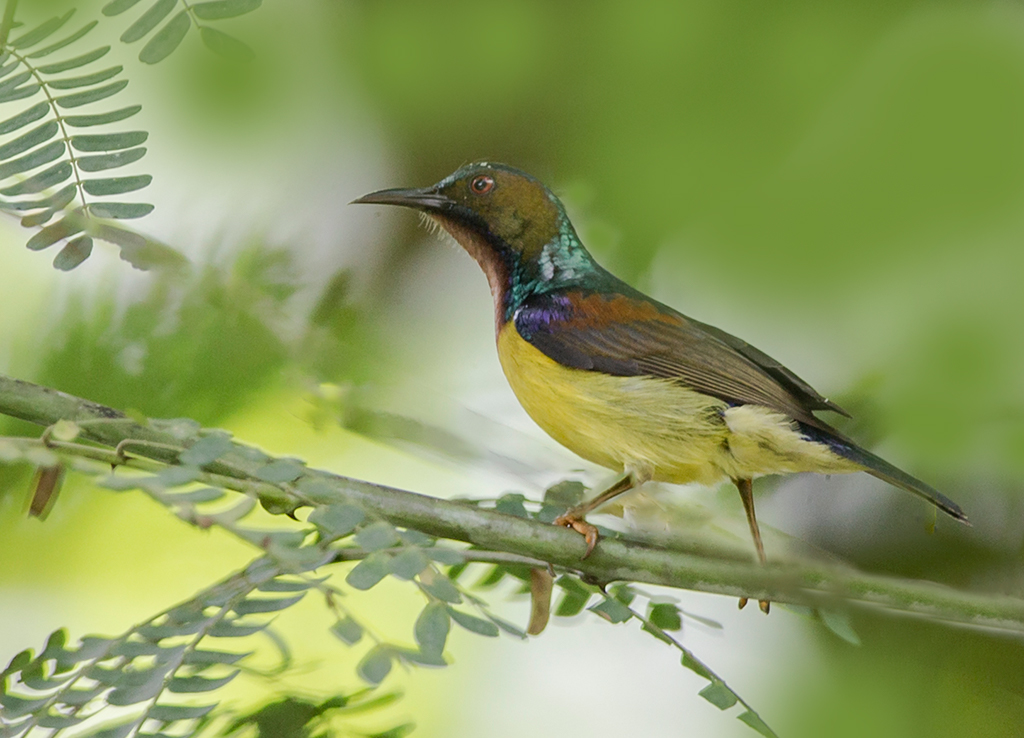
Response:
column 746, row 488
column 575, row 517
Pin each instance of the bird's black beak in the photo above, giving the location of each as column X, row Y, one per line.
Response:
column 426, row 199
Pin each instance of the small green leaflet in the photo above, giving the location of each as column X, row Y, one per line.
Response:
column 512, row 504
column 440, row 586
column 612, row 610
column 348, row 631
column 85, row 80
column 473, row 623
column 121, row 210
column 51, row 234
column 377, row 536
column 26, row 141
column 78, row 61
column 42, row 181
column 31, row 115
column 839, row 623
column 574, row 598
column 206, row 450
column 40, row 32
column 337, row 520
column 38, row 157
column 224, row 45
column 99, row 119
column 665, row 615
column 565, row 494
column 148, row 20
column 375, row 665
column 198, row 684
column 116, row 185
column 719, row 695
column 74, row 253
column 108, row 141
column 754, row 720
column 166, row 40
column 78, row 99
column 432, row 626
column 66, row 41
column 369, row 571
column 408, row 563
column 266, row 604
column 280, row 471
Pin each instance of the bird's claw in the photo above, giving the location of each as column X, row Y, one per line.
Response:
column 581, row 526
column 765, row 605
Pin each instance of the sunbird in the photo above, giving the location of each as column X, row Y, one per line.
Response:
column 621, row 379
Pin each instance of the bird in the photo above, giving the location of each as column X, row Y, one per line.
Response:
column 621, row 379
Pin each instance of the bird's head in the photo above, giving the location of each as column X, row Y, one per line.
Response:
column 503, row 217
column 509, row 210
column 512, row 224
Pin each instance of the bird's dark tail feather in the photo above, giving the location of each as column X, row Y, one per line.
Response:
column 879, row 467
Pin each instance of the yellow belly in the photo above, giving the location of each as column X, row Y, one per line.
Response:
column 654, row 427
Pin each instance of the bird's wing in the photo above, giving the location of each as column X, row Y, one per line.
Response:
column 628, row 336
column 805, row 392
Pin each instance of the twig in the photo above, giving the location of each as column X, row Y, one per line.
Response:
column 805, row 582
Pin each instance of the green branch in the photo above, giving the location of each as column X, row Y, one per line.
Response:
column 803, row 582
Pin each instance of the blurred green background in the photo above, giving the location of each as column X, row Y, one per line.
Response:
column 839, row 184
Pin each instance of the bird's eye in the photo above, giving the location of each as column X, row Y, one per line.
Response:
column 482, row 185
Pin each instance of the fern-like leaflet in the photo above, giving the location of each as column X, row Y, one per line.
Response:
column 172, row 33
column 53, row 166
column 148, row 668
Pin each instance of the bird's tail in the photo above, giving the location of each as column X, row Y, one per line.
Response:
column 876, row 466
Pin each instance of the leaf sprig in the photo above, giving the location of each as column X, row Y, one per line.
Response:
column 151, row 666
column 55, row 173
column 170, row 35
column 57, row 155
column 341, row 531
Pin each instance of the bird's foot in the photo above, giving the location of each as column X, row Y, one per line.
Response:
column 765, row 605
column 576, row 521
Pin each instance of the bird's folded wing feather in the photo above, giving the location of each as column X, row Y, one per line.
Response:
column 625, row 336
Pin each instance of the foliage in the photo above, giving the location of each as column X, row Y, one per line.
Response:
column 298, row 717
column 165, row 40
column 58, row 153
column 208, row 480
column 170, row 654
column 148, row 665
